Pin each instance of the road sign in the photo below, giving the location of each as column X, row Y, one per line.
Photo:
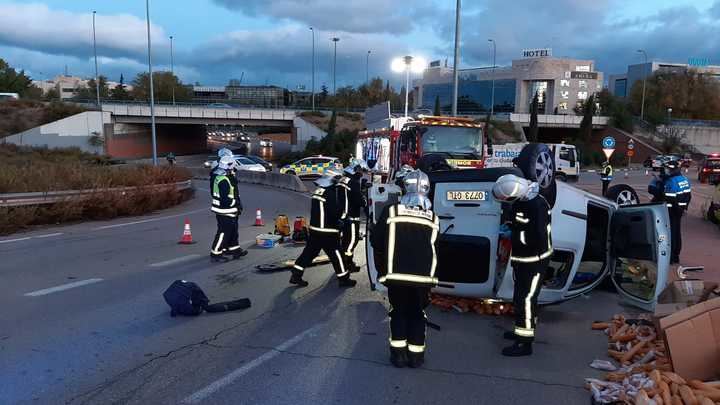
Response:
column 608, row 152
column 608, row 142
column 630, row 153
column 631, row 145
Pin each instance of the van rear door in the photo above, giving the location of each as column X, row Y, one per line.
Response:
column 640, row 252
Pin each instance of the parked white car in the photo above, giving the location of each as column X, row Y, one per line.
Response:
column 245, row 164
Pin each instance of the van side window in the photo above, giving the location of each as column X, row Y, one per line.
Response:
column 567, row 154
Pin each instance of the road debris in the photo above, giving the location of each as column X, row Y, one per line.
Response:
column 640, row 372
column 478, row 306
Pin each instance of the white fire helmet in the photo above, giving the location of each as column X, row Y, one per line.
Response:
column 224, row 152
column 417, row 186
column 329, row 177
column 227, row 163
column 510, row 188
column 355, row 166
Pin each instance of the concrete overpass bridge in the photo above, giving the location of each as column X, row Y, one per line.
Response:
column 197, row 115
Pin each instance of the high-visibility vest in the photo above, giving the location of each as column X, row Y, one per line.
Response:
column 223, row 205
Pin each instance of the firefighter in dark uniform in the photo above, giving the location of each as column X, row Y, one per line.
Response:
column 227, row 207
column 405, row 245
column 530, row 255
column 606, row 176
column 325, row 225
column 674, row 189
column 351, row 195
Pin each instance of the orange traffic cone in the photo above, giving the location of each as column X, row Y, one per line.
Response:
column 258, row 218
column 187, row 234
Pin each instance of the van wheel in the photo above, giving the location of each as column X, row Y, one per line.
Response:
column 622, row 194
column 537, row 163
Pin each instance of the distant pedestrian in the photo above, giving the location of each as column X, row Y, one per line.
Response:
column 606, row 176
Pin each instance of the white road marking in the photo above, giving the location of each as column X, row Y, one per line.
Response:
column 214, row 387
column 14, row 240
column 175, row 260
column 150, row 220
column 48, row 235
column 63, row 287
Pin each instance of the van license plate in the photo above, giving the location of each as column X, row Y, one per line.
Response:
column 466, row 196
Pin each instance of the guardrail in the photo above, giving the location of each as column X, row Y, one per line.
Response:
column 272, row 179
column 52, row 197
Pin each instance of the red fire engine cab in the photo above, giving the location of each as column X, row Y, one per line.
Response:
column 427, row 140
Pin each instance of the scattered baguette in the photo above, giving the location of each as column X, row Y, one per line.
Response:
column 687, row 395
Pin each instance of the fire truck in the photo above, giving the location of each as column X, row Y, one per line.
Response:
column 439, row 141
column 593, row 237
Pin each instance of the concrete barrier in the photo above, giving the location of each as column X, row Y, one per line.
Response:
column 272, row 179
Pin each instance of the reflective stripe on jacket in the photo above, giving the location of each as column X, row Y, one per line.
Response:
column 223, row 197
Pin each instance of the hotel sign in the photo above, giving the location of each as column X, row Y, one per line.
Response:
column 537, row 53
column 584, row 75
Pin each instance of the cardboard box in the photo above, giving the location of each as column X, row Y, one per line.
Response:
column 682, row 294
column 692, row 336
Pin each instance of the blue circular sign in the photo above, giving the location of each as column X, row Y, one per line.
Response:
column 608, row 142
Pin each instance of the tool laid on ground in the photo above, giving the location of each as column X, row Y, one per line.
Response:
column 287, row 265
column 187, row 298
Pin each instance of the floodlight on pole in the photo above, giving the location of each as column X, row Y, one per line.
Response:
column 313, row 68
column 407, row 64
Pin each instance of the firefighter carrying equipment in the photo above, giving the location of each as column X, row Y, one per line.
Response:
column 187, row 298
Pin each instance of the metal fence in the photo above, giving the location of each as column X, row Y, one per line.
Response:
column 52, row 197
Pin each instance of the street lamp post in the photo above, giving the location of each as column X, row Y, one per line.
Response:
column 367, row 69
column 492, row 94
column 456, row 58
column 172, row 69
column 335, row 41
column 97, row 82
column 152, row 91
column 407, row 64
column 642, row 103
column 313, row 67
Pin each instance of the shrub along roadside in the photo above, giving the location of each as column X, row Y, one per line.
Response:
column 102, row 205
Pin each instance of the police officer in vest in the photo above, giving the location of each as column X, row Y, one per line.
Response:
column 606, row 175
column 351, row 196
column 530, row 255
column 227, row 207
column 405, row 245
column 325, row 225
column 674, row 189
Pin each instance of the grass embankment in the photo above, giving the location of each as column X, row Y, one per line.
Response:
column 39, row 170
column 20, row 115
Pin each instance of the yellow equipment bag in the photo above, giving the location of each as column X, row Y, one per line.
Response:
column 282, row 225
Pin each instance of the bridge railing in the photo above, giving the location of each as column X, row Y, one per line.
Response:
column 198, row 112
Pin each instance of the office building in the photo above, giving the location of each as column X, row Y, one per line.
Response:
column 561, row 85
column 621, row 84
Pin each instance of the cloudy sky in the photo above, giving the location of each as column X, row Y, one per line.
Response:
column 270, row 40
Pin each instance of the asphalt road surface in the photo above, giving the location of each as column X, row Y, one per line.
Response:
column 83, row 321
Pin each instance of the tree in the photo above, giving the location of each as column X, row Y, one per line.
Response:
column 690, row 94
column 533, row 132
column 672, row 140
column 52, row 94
column 119, row 92
column 163, row 83
column 12, row 81
column 615, row 108
column 89, row 92
column 588, row 111
column 436, row 110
